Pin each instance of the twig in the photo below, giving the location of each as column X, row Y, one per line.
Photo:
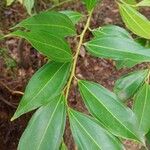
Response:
column 6, row 102
column 6, row 54
column 20, row 52
column 10, row 90
column 77, row 54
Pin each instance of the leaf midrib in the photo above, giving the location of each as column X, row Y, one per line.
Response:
column 135, row 79
column 109, row 111
column 44, row 133
column 74, row 16
column 51, row 46
column 86, row 131
column 145, row 101
column 113, row 49
column 135, row 20
column 47, row 25
column 43, row 87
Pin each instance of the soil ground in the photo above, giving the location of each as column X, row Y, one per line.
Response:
column 16, row 78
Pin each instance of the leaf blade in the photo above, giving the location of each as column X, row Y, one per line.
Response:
column 111, row 30
column 90, row 4
column 63, row 146
column 118, row 49
column 53, row 47
column 29, row 4
column 127, row 85
column 74, row 16
column 135, row 21
column 9, row 2
column 42, row 87
column 54, row 22
column 141, row 108
column 100, row 101
column 115, row 31
column 45, row 135
column 144, row 3
column 89, row 135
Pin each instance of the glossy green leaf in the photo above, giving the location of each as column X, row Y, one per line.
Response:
column 135, row 21
column 126, row 63
column 148, row 137
column 115, row 31
column 89, row 135
column 63, row 146
column 130, row 1
column 144, row 3
column 73, row 15
column 9, row 2
column 107, row 108
column 90, row 4
column 118, row 49
column 46, row 127
column 54, row 48
column 111, row 30
column 127, row 85
column 21, row 1
column 142, row 41
column 141, row 108
column 53, row 23
column 130, row 63
column 29, row 4
column 43, row 86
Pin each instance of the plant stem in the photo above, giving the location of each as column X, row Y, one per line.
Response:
column 7, row 102
column 10, row 90
column 77, row 53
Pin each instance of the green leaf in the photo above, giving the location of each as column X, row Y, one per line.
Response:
column 89, row 135
column 21, row 1
column 130, row 1
column 142, row 41
column 9, row 2
column 1, row 36
column 130, row 63
column 63, row 146
column 144, row 3
column 115, row 31
column 118, row 49
column 127, row 85
column 73, row 15
column 29, row 4
column 135, row 21
column 126, row 63
column 107, row 108
column 90, row 4
column 141, row 108
column 148, row 137
column 46, row 127
column 53, row 23
column 111, row 30
column 53, row 47
column 47, row 83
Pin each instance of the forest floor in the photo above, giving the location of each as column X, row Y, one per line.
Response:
column 14, row 77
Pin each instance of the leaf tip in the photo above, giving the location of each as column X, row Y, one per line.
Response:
column 85, row 44
column 13, row 118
